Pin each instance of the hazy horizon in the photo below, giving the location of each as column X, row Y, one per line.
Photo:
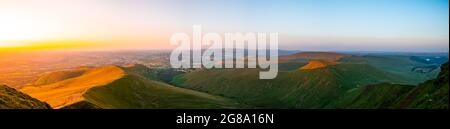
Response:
column 308, row 25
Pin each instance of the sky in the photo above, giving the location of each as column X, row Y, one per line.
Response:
column 319, row 25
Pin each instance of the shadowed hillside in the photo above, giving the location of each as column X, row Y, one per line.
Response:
column 132, row 91
column 303, row 88
column 431, row 94
column 12, row 99
column 416, row 72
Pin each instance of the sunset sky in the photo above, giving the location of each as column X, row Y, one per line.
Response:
column 336, row 25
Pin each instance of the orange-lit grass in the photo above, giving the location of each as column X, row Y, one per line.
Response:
column 70, row 91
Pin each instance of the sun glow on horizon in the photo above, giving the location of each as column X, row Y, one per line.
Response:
column 303, row 25
column 16, row 26
column 19, row 28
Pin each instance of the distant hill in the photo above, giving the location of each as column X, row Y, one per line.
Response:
column 316, row 64
column 12, row 99
column 122, row 87
column 327, row 56
column 432, row 94
column 53, row 77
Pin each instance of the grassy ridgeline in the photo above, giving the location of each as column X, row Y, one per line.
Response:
column 313, row 88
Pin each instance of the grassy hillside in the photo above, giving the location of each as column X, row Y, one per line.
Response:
column 69, row 91
column 370, row 97
column 12, row 99
column 301, row 88
column 416, row 68
column 398, row 64
column 122, row 87
column 132, row 91
column 53, row 77
column 141, row 70
column 81, row 105
column 289, row 66
column 430, row 94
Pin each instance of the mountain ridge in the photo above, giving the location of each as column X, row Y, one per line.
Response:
column 122, row 87
column 293, row 89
